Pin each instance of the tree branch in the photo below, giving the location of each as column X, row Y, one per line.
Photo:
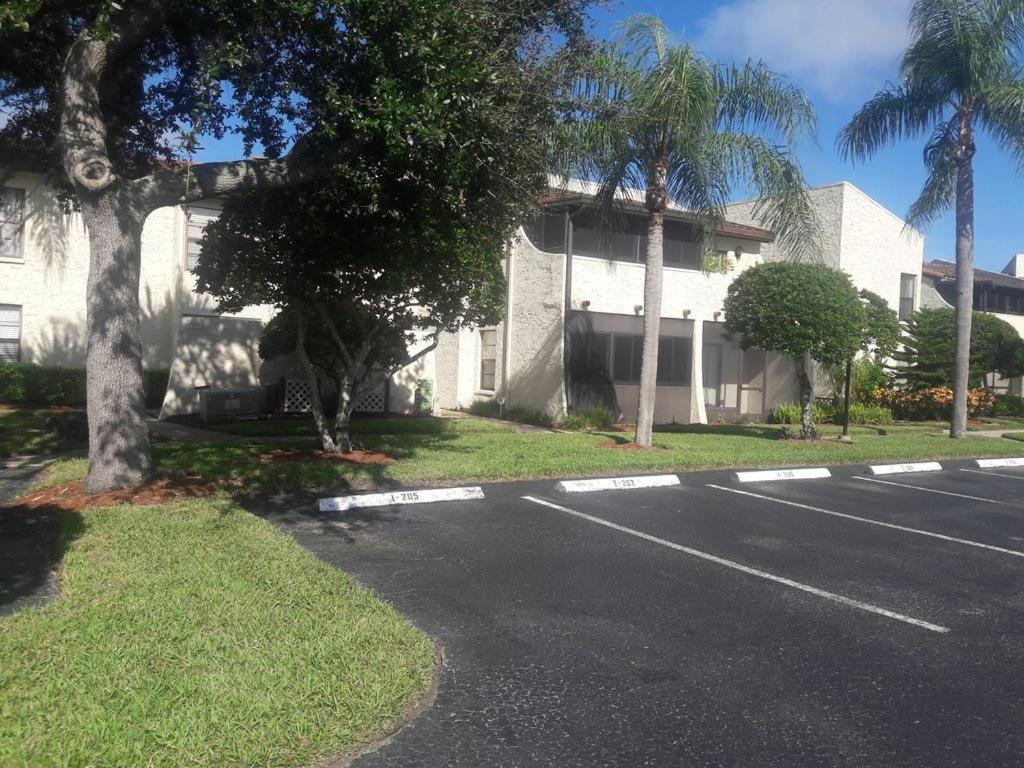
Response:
column 203, row 180
column 82, row 138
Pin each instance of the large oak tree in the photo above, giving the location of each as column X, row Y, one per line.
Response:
column 112, row 96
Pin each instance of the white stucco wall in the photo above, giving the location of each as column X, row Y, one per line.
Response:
column 49, row 283
column 536, row 334
column 859, row 236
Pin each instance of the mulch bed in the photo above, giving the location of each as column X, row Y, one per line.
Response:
column 296, row 454
column 73, row 496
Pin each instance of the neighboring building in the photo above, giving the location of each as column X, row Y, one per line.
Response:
column 996, row 293
column 574, row 311
column 44, row 265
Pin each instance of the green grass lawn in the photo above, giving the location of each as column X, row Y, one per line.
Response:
column 438, row 451
column 22, row 432
column 195, row 634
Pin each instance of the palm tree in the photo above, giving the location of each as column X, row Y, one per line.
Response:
column 959, row 74
column 663, row 119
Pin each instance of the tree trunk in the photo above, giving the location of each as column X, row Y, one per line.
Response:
column 316, row 402
column 804, row 372
column 964, row 288
column 846, row 397
column 343, row 418
column 654, row 276
column 119, row 454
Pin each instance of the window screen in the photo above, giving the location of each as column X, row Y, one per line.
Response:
column 488, row 359
column 908, row 291
column 674, row 360
column 12, row 217
column 198, row 218
column 10, row 333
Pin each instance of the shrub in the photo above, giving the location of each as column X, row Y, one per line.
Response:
column 42, row 385
column 863, row 413
column 789, row 413
column 1009, row 405
column 590, row 420
column 931, row 403
column 491, row 410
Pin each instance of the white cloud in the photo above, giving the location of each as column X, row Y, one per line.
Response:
column 839, row 48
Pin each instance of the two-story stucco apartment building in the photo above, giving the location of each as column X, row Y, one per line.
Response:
column 569, row 339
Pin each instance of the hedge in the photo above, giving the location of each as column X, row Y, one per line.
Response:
column 42, row 385
column 932, row 403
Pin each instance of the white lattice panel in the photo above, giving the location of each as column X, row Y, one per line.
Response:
column 296, row 396
column 371, row 401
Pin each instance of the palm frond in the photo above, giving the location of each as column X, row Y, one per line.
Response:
column 753, row 96
column 939, row 189
column 892, row 114
column 645, row 35
column 783, row 203
column 1002, row 114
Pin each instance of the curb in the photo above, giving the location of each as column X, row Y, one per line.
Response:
column 616, row 483
column 770, row 475
column 897, row 469
column 987, row 463
column 430, row 495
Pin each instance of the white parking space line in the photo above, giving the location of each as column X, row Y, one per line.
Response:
column 930, row 490
column 994, row 474
column 832, row 596
column 905, row 529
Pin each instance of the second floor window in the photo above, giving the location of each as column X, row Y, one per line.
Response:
column 198, row 218
column 488, row 359
column 12, row 219
column 908, row 295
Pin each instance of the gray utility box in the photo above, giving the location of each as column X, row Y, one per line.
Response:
column 228, row 403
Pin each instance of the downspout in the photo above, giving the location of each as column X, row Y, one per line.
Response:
column 506, row 341
column 567, row 300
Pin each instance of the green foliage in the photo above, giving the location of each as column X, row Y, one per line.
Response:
column 590, row 420
column 491, row 410
column 720, row 129
column 1009, row 405
column 410, row 75
column 793, row 308
column 40, row 385
column 867, row 377
column 882, row 332
column 927, row 357
column 867, row 413
column 789, row 413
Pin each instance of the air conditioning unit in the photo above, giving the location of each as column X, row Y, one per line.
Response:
column 229, row 403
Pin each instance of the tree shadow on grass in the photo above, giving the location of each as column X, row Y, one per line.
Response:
column 33, row 540
column 761, row 431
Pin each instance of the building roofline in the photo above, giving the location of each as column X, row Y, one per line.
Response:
column 726, row 229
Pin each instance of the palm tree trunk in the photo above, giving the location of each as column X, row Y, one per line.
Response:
column 964, row 282
column 653, row 280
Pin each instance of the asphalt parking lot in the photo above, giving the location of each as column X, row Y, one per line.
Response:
column 851, row 621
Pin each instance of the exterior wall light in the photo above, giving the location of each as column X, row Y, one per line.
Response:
column 718, row 316
column 686, row 313
column 638, row 308
column 585, row 304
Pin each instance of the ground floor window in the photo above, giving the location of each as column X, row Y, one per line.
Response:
column 488, row 359
column 10, row 333
column 619, row 356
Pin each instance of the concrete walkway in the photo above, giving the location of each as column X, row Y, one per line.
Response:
column 182, row 434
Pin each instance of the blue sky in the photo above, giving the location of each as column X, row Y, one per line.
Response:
column 840, row 52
